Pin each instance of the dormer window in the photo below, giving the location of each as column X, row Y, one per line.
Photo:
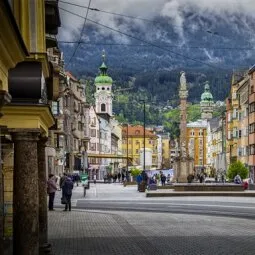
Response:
column 108, row 88
column 98, row 88
column 103, row 88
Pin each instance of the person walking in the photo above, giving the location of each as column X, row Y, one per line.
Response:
column 67, row 192
column 51, row 190
column 163, row 180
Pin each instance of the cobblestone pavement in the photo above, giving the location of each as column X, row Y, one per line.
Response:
column 95, row 232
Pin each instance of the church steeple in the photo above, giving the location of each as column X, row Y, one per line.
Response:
column 103, row 94
column 103, row 68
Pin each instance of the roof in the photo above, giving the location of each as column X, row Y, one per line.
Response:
column 137, row 131
column 214, row 122
column 197, row 124
column 252, row 69
column 71, row 76
column 104, row 79
column 207, row 95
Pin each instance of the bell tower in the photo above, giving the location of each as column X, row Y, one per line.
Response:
column 103, row 94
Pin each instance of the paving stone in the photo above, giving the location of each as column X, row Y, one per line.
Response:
column 97, row 233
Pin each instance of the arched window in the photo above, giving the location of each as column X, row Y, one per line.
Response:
column 102, row 107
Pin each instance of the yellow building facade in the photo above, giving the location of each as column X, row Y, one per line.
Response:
column 27, row 84
column 196, row 143
column 133, row 143
column 237, row 120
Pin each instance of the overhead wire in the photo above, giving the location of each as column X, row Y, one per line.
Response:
column 79, row 41
column 143, row 41
column 166, row 45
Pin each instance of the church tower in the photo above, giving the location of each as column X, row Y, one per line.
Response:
column 206, row 103
column 103, row 94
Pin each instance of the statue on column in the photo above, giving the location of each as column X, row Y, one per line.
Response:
column 183, row 81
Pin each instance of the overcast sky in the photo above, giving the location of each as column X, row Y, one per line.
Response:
column 175, row 10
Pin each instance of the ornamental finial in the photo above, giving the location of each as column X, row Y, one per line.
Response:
column 103, row 55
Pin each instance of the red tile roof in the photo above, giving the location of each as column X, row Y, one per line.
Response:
column 136, row 131
column 71, row 76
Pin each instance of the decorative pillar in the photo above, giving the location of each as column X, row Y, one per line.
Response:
column 25, row 196
column 42, row 186
column 183, row 163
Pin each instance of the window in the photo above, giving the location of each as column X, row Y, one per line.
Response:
column 252, row 149
column 93, row 146
column 235, row 113
column 252, row 128
column 229, row 117
column 55, row 107
column 252, row 107
column 240, row 134
column 103, row 88
column 80, row 126
column 93, row 132
column 136, row 151
column 103, row 108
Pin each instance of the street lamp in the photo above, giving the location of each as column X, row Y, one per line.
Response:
column 144, row 122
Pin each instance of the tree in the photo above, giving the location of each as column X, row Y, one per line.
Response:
column 237, row 168
column 135, row 172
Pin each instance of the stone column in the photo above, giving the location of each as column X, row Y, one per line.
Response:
column 42, row 185
column 25, row 195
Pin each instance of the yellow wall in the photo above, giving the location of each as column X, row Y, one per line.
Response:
column 199, row 135
column 166, row 152
column 134, row 146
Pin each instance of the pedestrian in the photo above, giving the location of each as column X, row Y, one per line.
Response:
column 95, row 178
column 139, row 179
column 163, row 180
column 62, row 180
column 67, row 193
column 119, row 176
column 51, row 190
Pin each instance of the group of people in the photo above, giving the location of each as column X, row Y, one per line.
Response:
column 65, row 184
column 114, row 177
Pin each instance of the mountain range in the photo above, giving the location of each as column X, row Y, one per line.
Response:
column 150, row 59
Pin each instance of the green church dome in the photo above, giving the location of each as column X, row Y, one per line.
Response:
column 207, row 95
column 103, row 79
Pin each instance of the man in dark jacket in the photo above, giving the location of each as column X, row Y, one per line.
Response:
column 67, row 192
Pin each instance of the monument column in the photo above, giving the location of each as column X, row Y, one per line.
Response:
column 25, row 193
column 183, row 163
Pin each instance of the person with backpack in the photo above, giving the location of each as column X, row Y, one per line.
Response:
column 67, row 193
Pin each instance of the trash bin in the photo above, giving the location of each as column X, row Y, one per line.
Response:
column 142, row 187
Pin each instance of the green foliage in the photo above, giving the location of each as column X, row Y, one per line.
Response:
column 135, row 172
column 237, row 168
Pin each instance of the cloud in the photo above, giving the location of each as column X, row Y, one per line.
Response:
column 176, row 11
